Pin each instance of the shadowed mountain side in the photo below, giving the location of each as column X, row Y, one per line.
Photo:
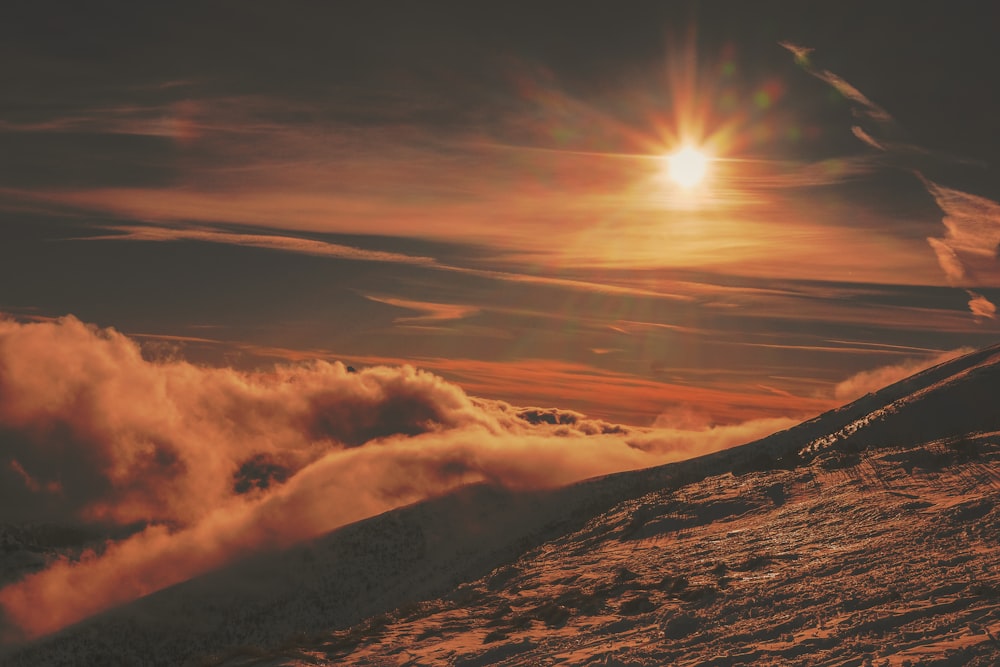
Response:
column 397, row 558
column 427, row 550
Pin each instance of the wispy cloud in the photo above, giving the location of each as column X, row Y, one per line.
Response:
column 864, row 107
column 872, row 380
column 972, row 223
column 298, row 244
column 745, row 242
column 185, row 119
column 432, row 312
column 295, row 244
column 972, row 233
column 553, row 206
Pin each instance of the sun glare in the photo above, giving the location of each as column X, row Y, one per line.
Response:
column 687, row 167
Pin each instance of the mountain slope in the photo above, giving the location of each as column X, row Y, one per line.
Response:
column 796, row 548
column 895, row 558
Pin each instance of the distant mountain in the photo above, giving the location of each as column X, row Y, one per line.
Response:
column 869, row 535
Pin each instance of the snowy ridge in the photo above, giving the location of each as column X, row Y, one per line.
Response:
column 970, row 402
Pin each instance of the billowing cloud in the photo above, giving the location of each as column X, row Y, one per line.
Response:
column 695, row 439
column 208, row 464
column 869, row 381
column 128, row 440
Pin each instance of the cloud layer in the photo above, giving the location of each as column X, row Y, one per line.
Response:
column 208, row 464
column 126, row 440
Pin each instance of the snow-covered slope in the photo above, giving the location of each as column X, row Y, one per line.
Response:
column 870, row 532
column 893, row 559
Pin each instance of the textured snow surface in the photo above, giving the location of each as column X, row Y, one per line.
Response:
column 870, row 535
column 892, row 559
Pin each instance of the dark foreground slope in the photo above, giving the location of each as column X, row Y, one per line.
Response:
column 869, row 533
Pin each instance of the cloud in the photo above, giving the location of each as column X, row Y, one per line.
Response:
column 341, row 487
column 175, row 121
column 297, row 244
column 870, row 381
column 693, row 439
column 129, row 440
column 269, row 241
column 865, row 107
column 867, row 138
column 210, row 464
column 981, row 306
column 432, row 312
column 968, row 250
column 972, row 230
column 948, row 259
column 972, row 223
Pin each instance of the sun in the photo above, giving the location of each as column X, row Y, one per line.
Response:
column 687, row 167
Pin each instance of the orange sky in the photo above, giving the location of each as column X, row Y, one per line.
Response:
column 506, row 211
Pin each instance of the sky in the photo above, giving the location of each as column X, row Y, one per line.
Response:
column 479, row 190
column 271, row 268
